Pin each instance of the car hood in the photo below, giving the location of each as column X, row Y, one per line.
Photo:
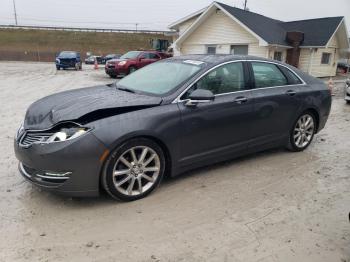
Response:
column 75, row 104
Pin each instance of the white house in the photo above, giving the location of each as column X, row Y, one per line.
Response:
column 313, row 45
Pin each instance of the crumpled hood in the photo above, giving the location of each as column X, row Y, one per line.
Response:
column 74, row 104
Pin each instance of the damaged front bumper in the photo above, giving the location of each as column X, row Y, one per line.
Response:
column 70, row 168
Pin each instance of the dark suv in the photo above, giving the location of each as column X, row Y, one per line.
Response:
column 68, row 59
column 131, row 61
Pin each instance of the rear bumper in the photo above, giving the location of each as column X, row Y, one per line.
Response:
column 70, row 168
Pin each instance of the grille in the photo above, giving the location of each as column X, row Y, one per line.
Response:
column 67, row 61
column 32, row 137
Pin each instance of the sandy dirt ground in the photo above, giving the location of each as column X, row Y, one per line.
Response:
column 272, row 206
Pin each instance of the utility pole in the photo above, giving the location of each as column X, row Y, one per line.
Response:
column 245, row 4
column 136, row 26
column 15, row 12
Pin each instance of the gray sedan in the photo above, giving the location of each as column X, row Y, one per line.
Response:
column 169, row 117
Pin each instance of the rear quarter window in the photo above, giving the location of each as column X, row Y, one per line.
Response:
column 293, row 79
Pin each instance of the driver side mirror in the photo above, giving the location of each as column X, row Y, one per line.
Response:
column 200, row 96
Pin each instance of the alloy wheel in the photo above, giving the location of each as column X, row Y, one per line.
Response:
column 304, row 131
column 136, row 170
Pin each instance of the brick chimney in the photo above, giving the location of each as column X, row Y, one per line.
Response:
column 295, row 39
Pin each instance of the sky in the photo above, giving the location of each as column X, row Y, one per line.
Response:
column 154, row 14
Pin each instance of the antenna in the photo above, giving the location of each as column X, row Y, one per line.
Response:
column 245, row 4
column 15, row 12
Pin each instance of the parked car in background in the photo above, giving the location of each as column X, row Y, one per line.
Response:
column 167, row 118
column 110, row 57
column 343, row 67
column 91, row 60
column 347, row 91
column 131, row 61
column 68, row 59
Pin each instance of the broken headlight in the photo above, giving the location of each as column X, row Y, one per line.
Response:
column 19, row 131
column 65, row 134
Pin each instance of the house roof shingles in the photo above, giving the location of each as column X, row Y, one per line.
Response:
column 317, row 32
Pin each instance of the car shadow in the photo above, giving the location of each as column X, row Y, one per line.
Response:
column 220, row 165
column 105, row 200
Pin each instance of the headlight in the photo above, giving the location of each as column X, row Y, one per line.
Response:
column 57, row 60
column 67, row 133
column 19, row 131
column 122, row 63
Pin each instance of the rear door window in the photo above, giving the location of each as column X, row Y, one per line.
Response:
column 268, row 75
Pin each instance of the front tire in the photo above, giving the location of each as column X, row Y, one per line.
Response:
column 132, row 69
column 302, row 132
column 134, row 169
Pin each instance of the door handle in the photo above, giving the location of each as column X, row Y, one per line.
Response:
column 241, row 100
column 291, row 92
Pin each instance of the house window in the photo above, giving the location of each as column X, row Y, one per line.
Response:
column 239, row 49
column 326, row 57
column 211, row 50
column 277, row 56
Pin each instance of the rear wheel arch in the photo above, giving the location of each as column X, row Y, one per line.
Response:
column 316, row 114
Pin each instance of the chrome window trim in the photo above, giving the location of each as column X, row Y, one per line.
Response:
column 178, row 98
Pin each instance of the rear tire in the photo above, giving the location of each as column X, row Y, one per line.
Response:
column 302, row 132
column 134, row 169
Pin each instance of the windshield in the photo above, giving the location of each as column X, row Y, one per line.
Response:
column 67, row 54
column 130, row 55
column 159, row 78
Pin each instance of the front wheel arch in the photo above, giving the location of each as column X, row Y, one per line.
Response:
column 159, row 142
column 105, row 179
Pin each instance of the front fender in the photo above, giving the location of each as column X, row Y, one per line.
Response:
column 160, row 123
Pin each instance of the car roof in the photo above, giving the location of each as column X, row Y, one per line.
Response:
column 218, row 59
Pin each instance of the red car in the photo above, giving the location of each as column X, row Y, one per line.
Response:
column 131, row 61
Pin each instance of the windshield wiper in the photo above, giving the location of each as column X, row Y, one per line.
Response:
column 126, row 89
